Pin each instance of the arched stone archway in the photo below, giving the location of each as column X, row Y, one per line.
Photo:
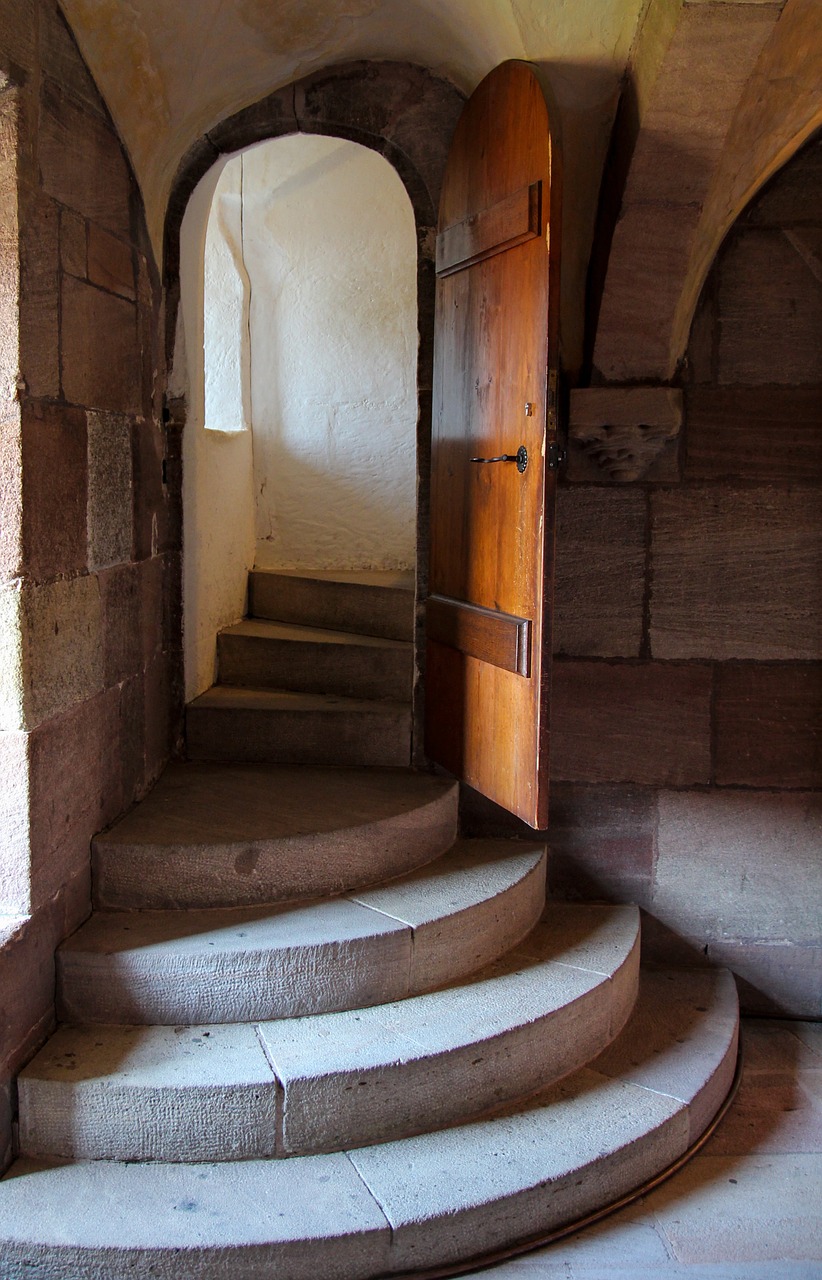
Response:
column 407, row 115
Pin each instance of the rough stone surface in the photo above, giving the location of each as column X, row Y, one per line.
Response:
column 735, row 574
column 303, row 728
column 769, row 725
column 39, row 295
column 768, row 434
column 619, row 722
column 768, row 334
column 211, row 835
column 110, row 263
column 740, row 865
column 15, row 872
column 377, row 604
column 402, row 1068
column 99, row 346
column 110, row 496
column 149, row 1093
column 263, row 654
column 54, row 490
column 603, row 842
column 600, row 572
column 82, row 163
column 60, row 624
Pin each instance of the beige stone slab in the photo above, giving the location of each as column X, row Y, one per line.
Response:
column 231, row 965
column 475, row 1188
column 431, row 1060
column 377, row 602
column 770, row 1211
column 248, row 1219
column 740, row 865
column 469, row 907
column 149, row 1093
column 234, row 834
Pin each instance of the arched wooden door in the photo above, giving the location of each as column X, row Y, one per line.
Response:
column 494, row 447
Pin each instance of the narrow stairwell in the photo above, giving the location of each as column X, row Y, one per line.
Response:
column 309, row 1031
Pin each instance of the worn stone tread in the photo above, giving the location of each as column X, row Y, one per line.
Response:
column 309, row 659
column 280, row 726
column 376, row 602
column 431, row 1200
column 244, row 964
column 346, row 1078
column 239, row 834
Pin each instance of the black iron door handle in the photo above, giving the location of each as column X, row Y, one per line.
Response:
column 520, row 458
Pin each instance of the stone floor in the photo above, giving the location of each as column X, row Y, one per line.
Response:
column 748, row 1207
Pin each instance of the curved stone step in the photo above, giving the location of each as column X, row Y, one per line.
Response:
column 279, row 655
column 234, row 835
column 434, row 1200
column 283, row 727
column 377, row 602
column 329, row 1081
column 245, row 964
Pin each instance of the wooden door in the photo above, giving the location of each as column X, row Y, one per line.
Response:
column 492, row 522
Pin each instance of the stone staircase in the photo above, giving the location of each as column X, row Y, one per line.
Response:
column 308, row 1031
column 319, row 673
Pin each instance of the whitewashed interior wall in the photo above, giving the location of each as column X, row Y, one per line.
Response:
column 298, row 279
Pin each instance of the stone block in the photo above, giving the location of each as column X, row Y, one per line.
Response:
column 54, row 489
column 18, row 30
column 602, row 842
column 110, row 493
column 71, row 789
column 99, row 348
column 699, row 359
column 61, row 60
column 271, row 117
column 73, row 244
column 15, row 868
column 11, row 658
column 773, row 978
column 11, row 496
column 158, row 717
column 152, row 599
column 27, row 981
column 740, row 866
column 423, row 131
column 39, row 295
column 792, row 196
column 131, row 738
column 120, row 601
column 362, row 97
column 769, row 725
column 649, row 259
column 110, row 262
column 769, row 434
column 770, row 312
column 151, row 522
column 151, row 351
column 62, row 653
column 646, row 723
column 623, row 434
column 9, row 252
column 600, row 572
column 82, row 163
column 736, row 573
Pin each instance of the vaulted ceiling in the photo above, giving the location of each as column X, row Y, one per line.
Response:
column 169, row 71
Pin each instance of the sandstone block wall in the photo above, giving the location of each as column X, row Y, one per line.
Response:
column 687, row 712
column 89, row 500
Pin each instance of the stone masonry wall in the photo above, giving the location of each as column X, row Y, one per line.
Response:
column 90, row 542
column 687, row 710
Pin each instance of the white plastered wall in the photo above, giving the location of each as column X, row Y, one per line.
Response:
column 301, row 255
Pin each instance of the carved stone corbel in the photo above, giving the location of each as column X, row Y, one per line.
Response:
column 624, row 433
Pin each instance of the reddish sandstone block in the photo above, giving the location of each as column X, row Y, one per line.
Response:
column 769, row 725
column 735, row 573
column 11, row 496
column 54, row 489
column 39, row 295
column 151, row 515
column 770, row 312
column 120, row 610
column 602, row 841
column 152, row 593
column 600, row 572
column 110, row 489
column 645, row 723
column 73, row 244
column 769, row 434
column 60, row 59
column 110, row 262
column 82, row 163
column 793, row 195
column 99, row 348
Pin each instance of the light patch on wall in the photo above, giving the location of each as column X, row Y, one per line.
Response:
column 294, row 25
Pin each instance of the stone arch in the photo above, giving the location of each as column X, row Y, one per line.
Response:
column 719, row 97
column 405, row 113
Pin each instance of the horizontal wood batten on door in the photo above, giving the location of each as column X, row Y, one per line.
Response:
column 498, row 638
column 511, row 221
